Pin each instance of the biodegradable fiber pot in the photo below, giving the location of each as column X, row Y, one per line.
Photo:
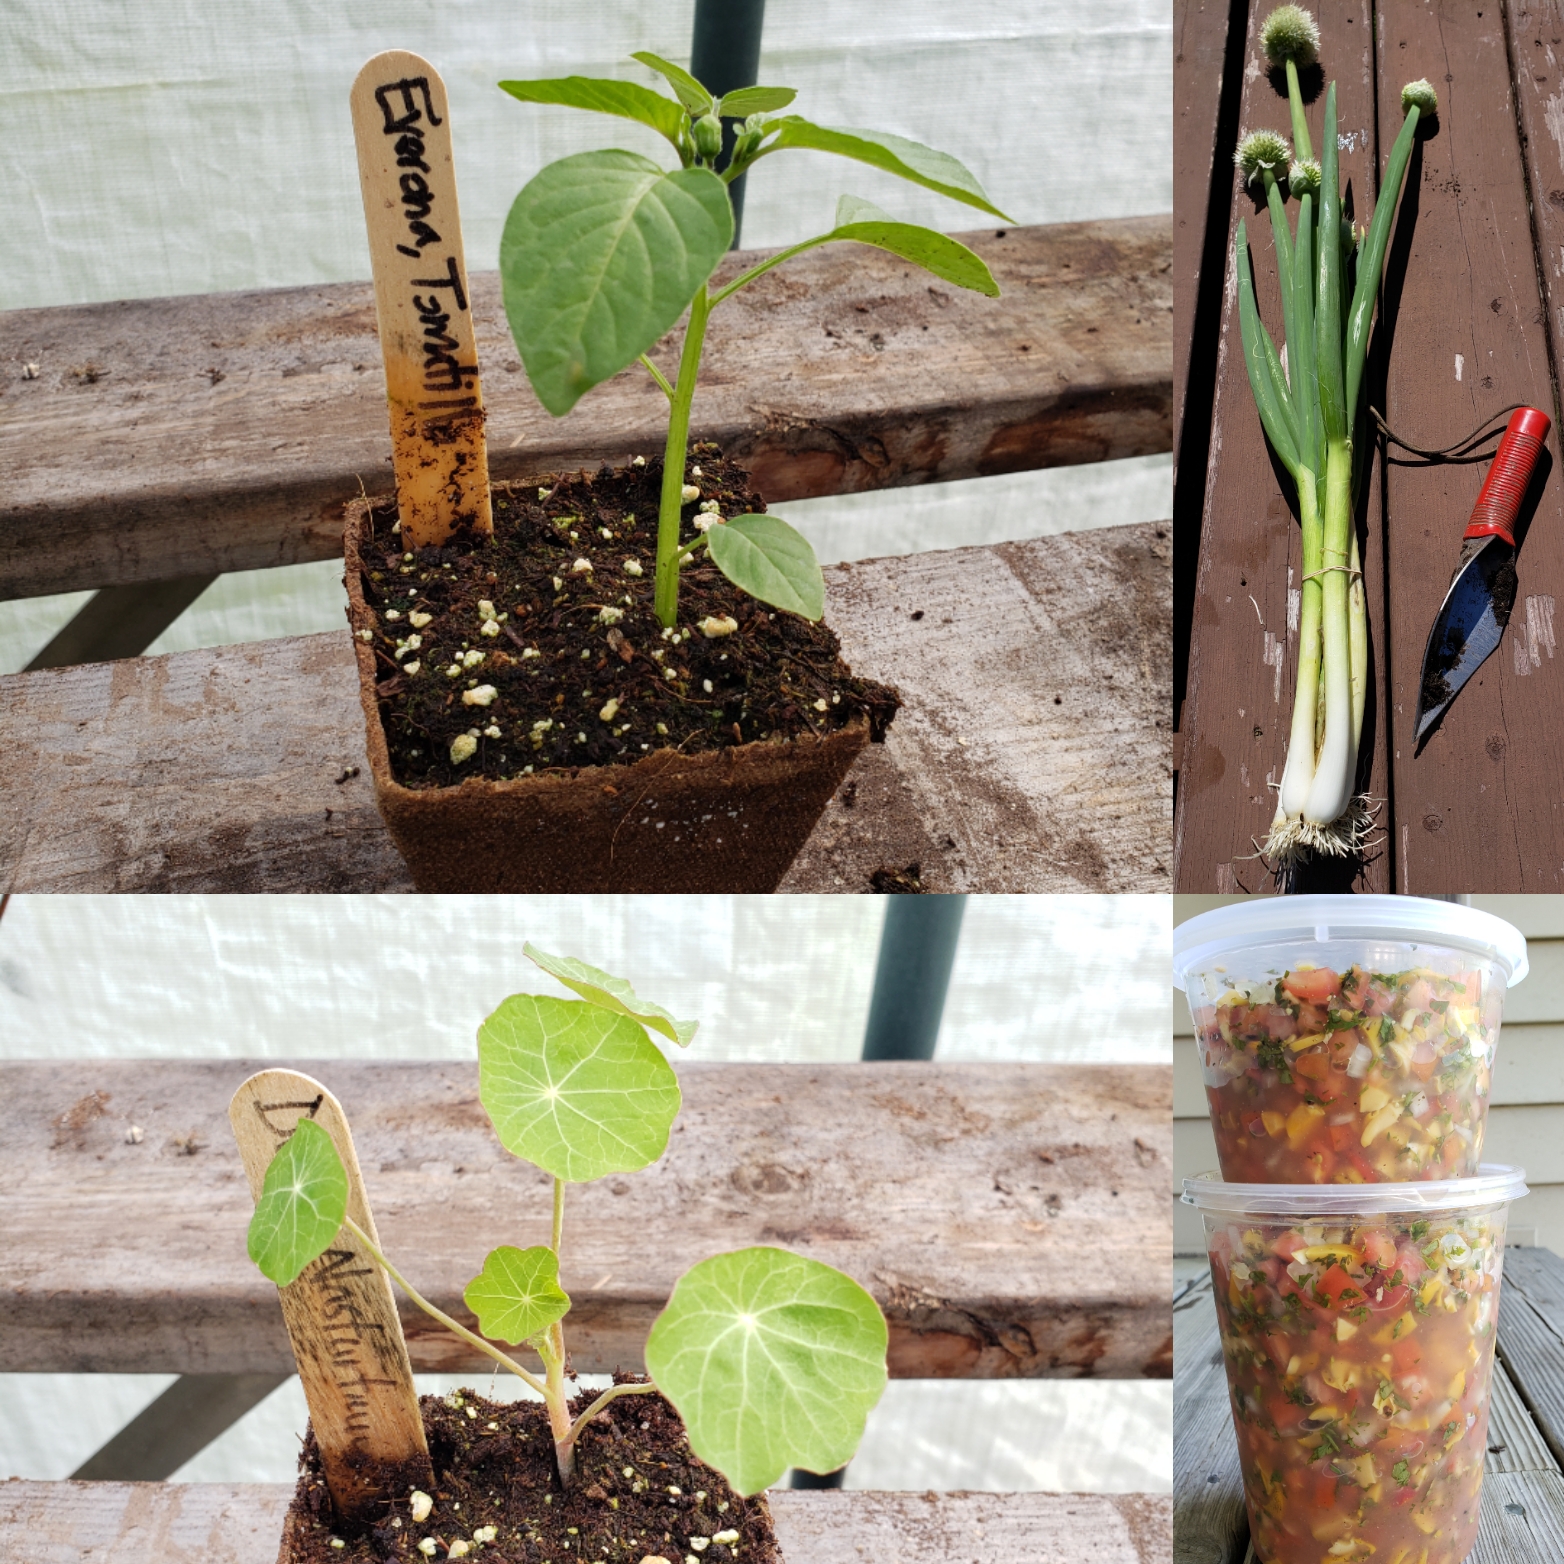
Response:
column 729, row 820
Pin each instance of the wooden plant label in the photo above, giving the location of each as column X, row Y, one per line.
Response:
column 341, row 1316
column 403, row 129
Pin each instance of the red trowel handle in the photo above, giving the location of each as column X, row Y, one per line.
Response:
column 1496, row 507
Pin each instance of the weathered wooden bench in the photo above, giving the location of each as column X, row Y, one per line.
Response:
column 165, row 441
column 1522, row 1520
column 964, row 1196
column 1472, row 319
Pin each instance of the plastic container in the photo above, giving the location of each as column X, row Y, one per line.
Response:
column 1347, row 1039
column 1358, row 1330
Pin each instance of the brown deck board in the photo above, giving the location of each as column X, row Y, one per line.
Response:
column 190, row 436
column 240, row 1523
column 962, row 1195
column 1032, row 753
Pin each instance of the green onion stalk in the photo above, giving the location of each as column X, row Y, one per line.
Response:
column 1309, row 408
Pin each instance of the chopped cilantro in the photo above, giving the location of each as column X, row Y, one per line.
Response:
column 1328, row 1441
column 1387, row 1030
column 1441, row 1005
column 1402, row 1474
column 1270, row 1055
column 1417, row 1230
column 1349, row 979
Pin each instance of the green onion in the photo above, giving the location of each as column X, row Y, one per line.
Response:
column 1309, row 412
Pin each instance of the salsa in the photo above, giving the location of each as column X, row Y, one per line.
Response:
column 1358, row 1362
column 1350, row 1078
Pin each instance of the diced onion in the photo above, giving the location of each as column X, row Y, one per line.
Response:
column 1358, row 1064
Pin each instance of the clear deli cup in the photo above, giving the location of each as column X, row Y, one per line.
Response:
column 1347, row 1039
column 1358, row 1332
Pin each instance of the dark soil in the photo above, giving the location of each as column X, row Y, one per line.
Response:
column 494, row 1466
column 556, row 667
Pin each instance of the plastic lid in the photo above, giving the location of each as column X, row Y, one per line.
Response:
column 1494, row 1185
column 1274, row 920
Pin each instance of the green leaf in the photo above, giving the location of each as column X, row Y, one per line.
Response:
column 765, row 557
column 611, row 993
column 304, row 1198
column 772, row 1361
column 573, row 1088
column 517, row 1294
column 691, row 94
column 602, row 253
column 895, row 154
column 744, row 101
column 864, row 222
column 627, row 99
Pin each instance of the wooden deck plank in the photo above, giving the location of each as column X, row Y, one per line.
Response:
column 1531, row 1337
column 1208, row 1494
column 240, row 1523
column 963, row 1196
column 1244, row 642
column 1032, row 753
column 191, row 436
column 1478, row 810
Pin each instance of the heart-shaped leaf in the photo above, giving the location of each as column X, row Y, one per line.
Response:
column 304, row 1198
column 611, row 993
column 765, row 557
column 744, row 101
column 690, row 92
column 601, row 254
column 517, row 1294
column 627, row 99
column 772, row 1361
column 864, row 222
column 573, row 1088
column 895, row 154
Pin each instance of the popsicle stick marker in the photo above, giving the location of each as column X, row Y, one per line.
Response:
column 402, row 125
column 341, row 1316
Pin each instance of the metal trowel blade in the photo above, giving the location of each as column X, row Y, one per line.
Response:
column 1468, row 626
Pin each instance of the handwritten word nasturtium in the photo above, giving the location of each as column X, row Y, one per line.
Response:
column 772, row 1359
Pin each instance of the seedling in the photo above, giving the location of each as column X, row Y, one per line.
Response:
column 771, row 1359
column 603, row 252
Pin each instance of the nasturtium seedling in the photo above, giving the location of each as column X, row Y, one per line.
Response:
column 772, row 1359
column 603, row 252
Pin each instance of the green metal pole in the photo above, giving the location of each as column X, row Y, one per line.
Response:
column 724, row 54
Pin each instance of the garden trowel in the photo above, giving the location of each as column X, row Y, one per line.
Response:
column 1471, row 620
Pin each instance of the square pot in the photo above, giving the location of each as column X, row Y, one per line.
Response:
column 729, row 820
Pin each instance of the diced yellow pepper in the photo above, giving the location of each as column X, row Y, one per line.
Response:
column 1424, row 1523
column 1372, row 1098
column 1298, row 1044
column 1402, row 1326
column 1430, row 1290
column 1399, row 1557
column 1274, row 1123
column 1300, row 1121
column 1330, row 1252
column 1347, row 1175
column 1378, row 1123
column 1457, row 1385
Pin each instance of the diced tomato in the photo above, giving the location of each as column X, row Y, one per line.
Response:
column 1290, row 1245
column 1314, row 1063
column 1406, row 1354
column 1424, row 1058
column 1472, row 990
column 1278, row 1347
column 1453, row 1150
column 1384, row 1299
column 1312, row 1019
column 1306, row 1487
column 1342, row 1136
column 1378, row 1246
column 1313, row 987
column 1334, row 1282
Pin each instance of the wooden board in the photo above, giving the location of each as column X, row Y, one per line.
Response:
column 1208, row 1488
column 963, row 1196
column 1032, row 753
column 1243, row 652
column 189, row 436
column 1478, row 809
column 240, row 1523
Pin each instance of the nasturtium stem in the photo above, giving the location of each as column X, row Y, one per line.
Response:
column 559, row 1214
column 666, row 598
column 470, row 1337
column 658, row 376
column 603, row 1400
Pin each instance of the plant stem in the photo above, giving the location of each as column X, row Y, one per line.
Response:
column 1300, row 126
column 1336, row 772
column 658, row 376
column 1298, row 773
column 666, row 599
column 603, row 1400
column 559, row 1214
column 470, row 1337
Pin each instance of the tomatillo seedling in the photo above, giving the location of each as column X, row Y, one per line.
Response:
column 603, row 252
column 771, row 1359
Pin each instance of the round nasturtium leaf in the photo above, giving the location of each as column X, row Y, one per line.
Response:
column 610, row 993
column 573, row 1088
column 772, row 1361
column 601, row 254
column 764, row 556
column 304, row 1198
column 517, row 1294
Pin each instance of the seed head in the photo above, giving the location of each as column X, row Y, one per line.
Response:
column 1290, row 33
column 1423, row 95
column 1304, row 176
column 1261, row 149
